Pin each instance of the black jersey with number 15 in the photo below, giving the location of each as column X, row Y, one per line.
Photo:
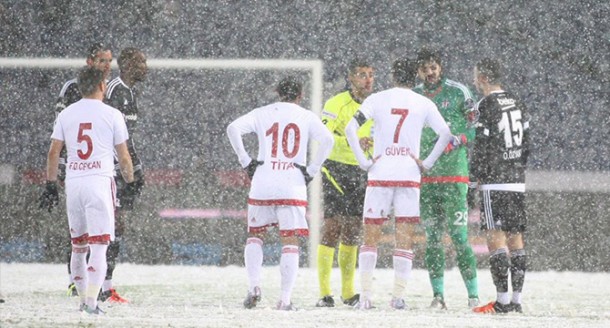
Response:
column 501, row 147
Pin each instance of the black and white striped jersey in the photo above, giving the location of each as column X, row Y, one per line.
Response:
column 124, row 98
column 501, row 149
column 68, row 95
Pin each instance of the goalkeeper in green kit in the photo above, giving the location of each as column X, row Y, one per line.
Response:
column 444, row 188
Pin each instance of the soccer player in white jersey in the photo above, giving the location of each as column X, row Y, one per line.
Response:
column 394, row 172
column 92, row 132
column 279, row 175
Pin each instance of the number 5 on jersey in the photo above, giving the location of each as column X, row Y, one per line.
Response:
column 83, row 137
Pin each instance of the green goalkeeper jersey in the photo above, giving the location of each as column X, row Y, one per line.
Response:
column 454, row 101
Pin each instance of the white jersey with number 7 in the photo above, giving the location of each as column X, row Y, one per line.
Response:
column 283, row 130
column 400, row 115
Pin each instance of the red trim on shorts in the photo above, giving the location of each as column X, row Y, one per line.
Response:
column 101, row 239
column 80, row 239
column 407, row 219
column 79, row 249
column 277, row 202
column 261, row 229
column 378, row 221
column 392, row 183
column 294, row 232
column 453, row 179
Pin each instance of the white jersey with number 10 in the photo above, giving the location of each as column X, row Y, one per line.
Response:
column 283, row 130
column 400, row 115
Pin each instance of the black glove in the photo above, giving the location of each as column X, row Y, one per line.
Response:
column 49, row 197
column 251, row 168
column 306, row 175
column 131, row 189
column 138, row 182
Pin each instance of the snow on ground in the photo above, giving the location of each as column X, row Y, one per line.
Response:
column 202, row 296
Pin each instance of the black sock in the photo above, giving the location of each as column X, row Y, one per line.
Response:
column 111, row 257
column 518, row 263
column 499, row 265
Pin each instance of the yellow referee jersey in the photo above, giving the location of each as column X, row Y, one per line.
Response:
column 337, row 113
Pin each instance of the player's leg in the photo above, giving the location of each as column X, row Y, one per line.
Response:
column 100, row 226
column 457, row 219
column 292, row 224
column 377, row 204
column 77, row 223
column 351, row 230
column 253, row 251
column 407, row 217
column 348, row 256
column 432, row 216
column 515, row 226
column 125, row 206
column 498, row 252
column 326, row 253
column 334, row 208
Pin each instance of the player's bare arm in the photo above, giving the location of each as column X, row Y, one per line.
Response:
column 125, row 162
column 53, row 159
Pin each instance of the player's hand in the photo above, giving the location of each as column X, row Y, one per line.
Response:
column 366, row 143
column 369, row 163
column 50, row 196
column 420, row 164
column 455, row 142
column 303, row 169
column 251, row 168
column 138, row 181
column 131, row 190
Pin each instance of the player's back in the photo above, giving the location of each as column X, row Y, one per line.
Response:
column 90, row 131
column 283, row 131
column 400, row 115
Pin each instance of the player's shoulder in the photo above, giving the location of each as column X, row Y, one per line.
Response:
column 339, row 100
column 459, row 88
column 68, row 87
column 115, row 86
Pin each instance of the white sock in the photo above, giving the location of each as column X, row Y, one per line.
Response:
column 78, row 269
column 367, row 261
column 253, row 258
column 403, row 263
column 289, row 265
column 516, row 298
column 107, row 285
column 96, row 269
column 503, row 298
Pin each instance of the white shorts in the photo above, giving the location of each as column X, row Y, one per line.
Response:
column 379, row 202
column 291, row 219
column 90, row 205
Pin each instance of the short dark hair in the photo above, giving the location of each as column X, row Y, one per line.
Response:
column 88, row 80
column 289, row 88
column 127, row 55
column 404, row 71
column 427, row 54
column 356, row 63
column 95, row 48
column 490, row 68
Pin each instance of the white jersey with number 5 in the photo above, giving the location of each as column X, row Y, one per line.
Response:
column 90, row 130
column 400, row 115
column 283, row 130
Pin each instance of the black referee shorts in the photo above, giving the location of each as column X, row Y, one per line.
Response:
column 503, row 210
column 352, row 181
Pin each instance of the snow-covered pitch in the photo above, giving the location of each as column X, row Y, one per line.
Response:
column 204, row 296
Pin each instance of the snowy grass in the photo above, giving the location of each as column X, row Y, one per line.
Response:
column 202, row 296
